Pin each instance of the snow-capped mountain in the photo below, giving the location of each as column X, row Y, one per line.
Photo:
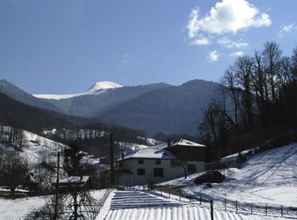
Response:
column 104, row 85
column 97, row 88
column 100, row 97
column 152, row 108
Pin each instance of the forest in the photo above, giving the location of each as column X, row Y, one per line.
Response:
column 257, row 105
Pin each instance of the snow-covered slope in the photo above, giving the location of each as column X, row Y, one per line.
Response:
column 18, row 208
column 269, row 177
column 37, row 149
column 96, row 89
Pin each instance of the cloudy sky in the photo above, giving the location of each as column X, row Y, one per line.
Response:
column 58, row 46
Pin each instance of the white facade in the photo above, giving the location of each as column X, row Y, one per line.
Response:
column 144, row 171
column 161, row 163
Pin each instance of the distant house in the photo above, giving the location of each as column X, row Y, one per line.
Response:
column 161, row 163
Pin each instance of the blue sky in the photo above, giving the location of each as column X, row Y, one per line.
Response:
column 62, row 46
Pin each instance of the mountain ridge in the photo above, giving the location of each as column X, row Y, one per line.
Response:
column 154, row 108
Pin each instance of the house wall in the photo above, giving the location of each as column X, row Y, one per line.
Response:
column 170, row 171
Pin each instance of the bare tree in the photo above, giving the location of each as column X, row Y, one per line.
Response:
column 13, row 171
column 230, row 82
column 272, row 62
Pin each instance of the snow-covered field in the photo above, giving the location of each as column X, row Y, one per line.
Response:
column 18, row 208
column 269, row 177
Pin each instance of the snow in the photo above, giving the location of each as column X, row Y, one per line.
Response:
column 74, row 179
column 155, row 152
column 58, row 96
column 149, row 141
column 268, row 177
column 140, row 199
column 104, row 85
column 131, row 148
column 106, row 207
column 97, row 88
column 180, row 181
column 37, row 149
column 134, row 205
column 184, row 142
column 19, row 208
column 177, row 213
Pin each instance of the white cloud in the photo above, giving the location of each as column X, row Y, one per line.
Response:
column 214, row 56
column 287, row 29
column 227, row 16
column 201, row 41
column 237, row 54
column 232, row 44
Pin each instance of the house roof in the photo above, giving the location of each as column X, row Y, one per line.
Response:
column 187, row 143
column 162, row 151
column 156, row 152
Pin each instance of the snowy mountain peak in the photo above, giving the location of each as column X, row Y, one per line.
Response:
column 104, row 85
column 97, row 88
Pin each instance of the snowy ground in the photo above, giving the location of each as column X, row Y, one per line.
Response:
column 269, row 177
column 18, row 208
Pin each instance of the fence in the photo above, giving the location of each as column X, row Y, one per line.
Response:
column 228, row 205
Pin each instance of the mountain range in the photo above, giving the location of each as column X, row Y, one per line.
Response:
column 153, row 108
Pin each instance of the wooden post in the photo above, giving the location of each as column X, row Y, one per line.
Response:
column 282, row 211
column 266, row 210
column 200, row 200
column 57, row 188
column 211, row 210
column 225, row 204
column 251, row 209
column 236, row 206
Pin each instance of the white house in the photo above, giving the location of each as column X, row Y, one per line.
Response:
column 161, row 163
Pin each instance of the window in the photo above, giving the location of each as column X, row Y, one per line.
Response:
column 158, row 162
column 140, row 172
column 158, row 172
column 175, row 163
column 192, row 168
column 140, row 161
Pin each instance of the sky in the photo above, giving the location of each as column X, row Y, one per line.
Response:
column 64, row 46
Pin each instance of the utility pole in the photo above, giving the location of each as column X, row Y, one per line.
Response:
column 111, row 160
column 211, row 210
column 75, row 213
column 57, row 188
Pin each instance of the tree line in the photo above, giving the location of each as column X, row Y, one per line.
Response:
column 258, row 100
